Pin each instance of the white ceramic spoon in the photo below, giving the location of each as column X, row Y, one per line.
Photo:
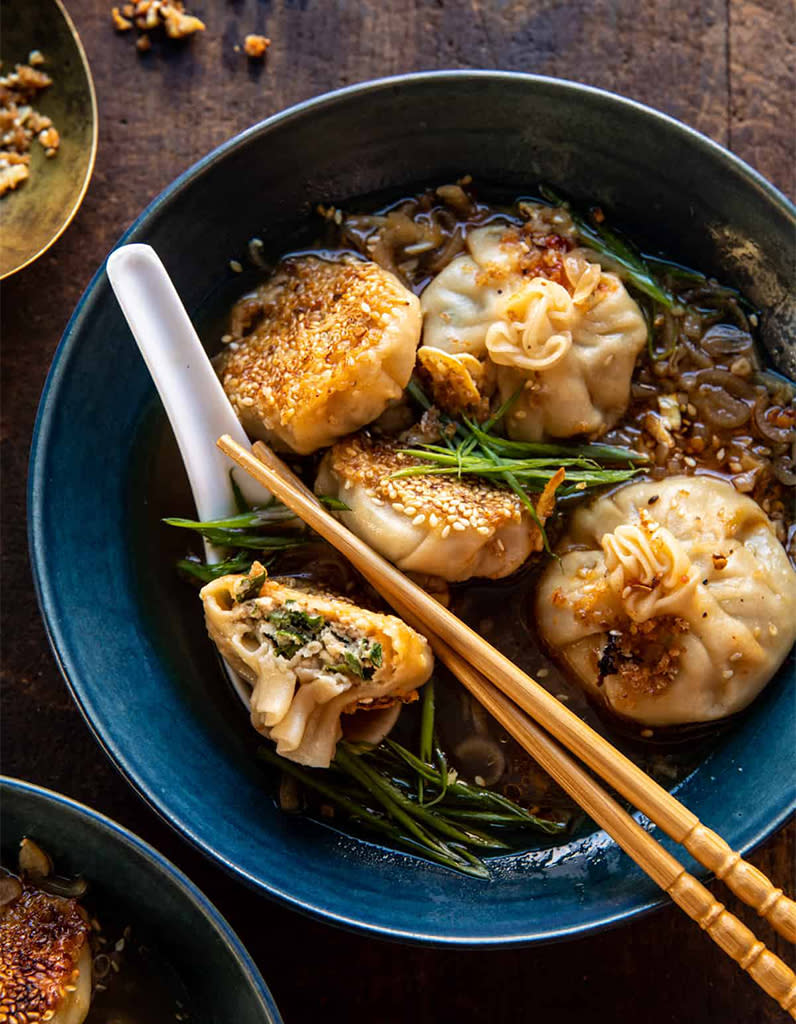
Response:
column 199, row 413
column 189, row 388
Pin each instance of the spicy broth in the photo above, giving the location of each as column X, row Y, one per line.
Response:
column 703, row 401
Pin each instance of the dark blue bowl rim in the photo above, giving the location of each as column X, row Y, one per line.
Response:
column 68, row 661
column 180, row 881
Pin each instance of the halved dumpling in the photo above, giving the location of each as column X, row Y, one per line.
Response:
column 334, row 344
column 310, row 657
column 444, row 526
column 45, row 959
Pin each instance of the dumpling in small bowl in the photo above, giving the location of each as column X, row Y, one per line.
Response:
column 673, row 602
column 45, row 955
column 311, row 657
column 552, row 323
column 334, row 344
column 443, row 526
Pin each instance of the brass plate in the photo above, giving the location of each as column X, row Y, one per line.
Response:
column 34, row 215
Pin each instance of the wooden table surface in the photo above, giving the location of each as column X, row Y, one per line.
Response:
column 723, row 66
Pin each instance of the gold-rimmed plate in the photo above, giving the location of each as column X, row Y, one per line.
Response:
column 36, row 213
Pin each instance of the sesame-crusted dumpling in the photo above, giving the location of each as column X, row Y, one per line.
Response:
column 311, row 657
column 548, row 320
column 439, row 525
column 45, row 958
column 335, row 344
column 672, row 601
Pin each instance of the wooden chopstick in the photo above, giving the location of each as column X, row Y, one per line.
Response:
column 665, row 810
column 738, row 941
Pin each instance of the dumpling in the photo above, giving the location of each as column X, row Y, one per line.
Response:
column 45, row 958
column 551, row 322
column 438, row 525
column 310, row 657
column 673, row 601
column 336, row 342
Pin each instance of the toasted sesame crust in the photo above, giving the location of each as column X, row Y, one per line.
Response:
column 335, row 338
column 462, row 503
column 42, row 938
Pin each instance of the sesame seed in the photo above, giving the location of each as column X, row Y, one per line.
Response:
column 419, row 519
column 445, row 531
column 727, row 673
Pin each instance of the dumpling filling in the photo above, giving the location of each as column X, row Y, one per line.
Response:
column 311, row 657
column 672, row 601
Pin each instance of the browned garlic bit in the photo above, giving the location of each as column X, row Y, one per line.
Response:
column 439, row 525
column 20, row 123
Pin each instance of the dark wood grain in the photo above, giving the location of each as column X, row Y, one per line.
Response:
column 725, row 67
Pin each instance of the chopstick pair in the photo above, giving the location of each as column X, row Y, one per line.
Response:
column 475, row 662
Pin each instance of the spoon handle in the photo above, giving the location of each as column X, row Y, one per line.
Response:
column 194, row 400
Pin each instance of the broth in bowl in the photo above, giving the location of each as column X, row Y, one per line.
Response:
column 575, row 446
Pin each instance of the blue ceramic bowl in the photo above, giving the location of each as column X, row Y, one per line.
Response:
column 128, row 640
column 136, row 886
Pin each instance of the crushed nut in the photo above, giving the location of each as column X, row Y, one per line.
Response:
column 150, row 15
column 255, row 46
column 120, row 23
column 20, row 123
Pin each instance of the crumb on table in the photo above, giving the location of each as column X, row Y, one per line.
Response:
column 150, row 15
column 255, row 46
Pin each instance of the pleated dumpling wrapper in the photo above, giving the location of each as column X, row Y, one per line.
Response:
column 335, row 342
column 311, row 657
column 45, row 958
column 547, row 320
column 673, row 601
column 445, row 526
